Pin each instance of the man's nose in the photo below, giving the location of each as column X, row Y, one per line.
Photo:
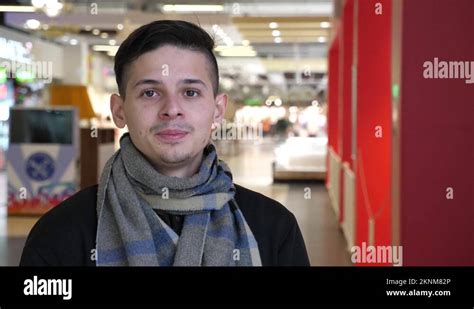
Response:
column 171, row 108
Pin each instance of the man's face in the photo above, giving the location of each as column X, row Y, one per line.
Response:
column 169, row 106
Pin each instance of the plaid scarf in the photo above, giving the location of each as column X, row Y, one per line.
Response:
column 130, row 233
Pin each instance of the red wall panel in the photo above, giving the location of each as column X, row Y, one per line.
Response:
column 437, row 129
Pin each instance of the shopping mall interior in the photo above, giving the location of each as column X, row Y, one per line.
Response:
column 356, row 115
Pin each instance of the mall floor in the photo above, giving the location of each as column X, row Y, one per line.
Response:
column 251, row 167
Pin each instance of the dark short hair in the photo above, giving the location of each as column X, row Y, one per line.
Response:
column 164, row 32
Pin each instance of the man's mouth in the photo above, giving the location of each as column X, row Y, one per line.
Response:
column 171, row 135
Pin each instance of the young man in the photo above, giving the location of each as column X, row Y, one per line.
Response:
column 164, row 198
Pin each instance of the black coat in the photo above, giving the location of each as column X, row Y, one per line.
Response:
column 66, row 235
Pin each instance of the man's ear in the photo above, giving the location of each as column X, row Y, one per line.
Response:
column 221, row 105
column 116, row 107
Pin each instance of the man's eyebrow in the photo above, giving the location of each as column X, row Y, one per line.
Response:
column 188, row 81
column 147, row 82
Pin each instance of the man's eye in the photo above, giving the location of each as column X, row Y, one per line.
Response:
column 192, row 93
column 149, row 93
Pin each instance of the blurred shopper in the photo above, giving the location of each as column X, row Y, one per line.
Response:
column 282, row 127
column 164, row 198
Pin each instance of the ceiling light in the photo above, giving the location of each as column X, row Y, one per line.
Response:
column 52, row 12
column 325, row 24
column 277, row 40
column 120, row 26
column 321, row 39
column 273, row 25
column 192, row 8
column 95, row 32
column 105, row 48
column 17, row 8
column 73, row 42
column 87, row 27
column 38, row 3
column 236, row 51
column 104, row 35
column 230, row 54
column 112, row 42
column 51, row 8
column 33, row 24
column 220, row 48
column 278, row 102
column 276, row 32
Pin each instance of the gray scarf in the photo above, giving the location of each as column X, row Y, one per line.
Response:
column 130, row 233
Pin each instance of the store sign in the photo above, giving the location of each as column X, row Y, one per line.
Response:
column 15, row 51
column 41, row 158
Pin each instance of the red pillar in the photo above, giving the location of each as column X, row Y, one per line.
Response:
column 373, row 136
column 345, row 103
column 333, row 99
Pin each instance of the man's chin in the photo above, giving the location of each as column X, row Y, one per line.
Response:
column 174, row 156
